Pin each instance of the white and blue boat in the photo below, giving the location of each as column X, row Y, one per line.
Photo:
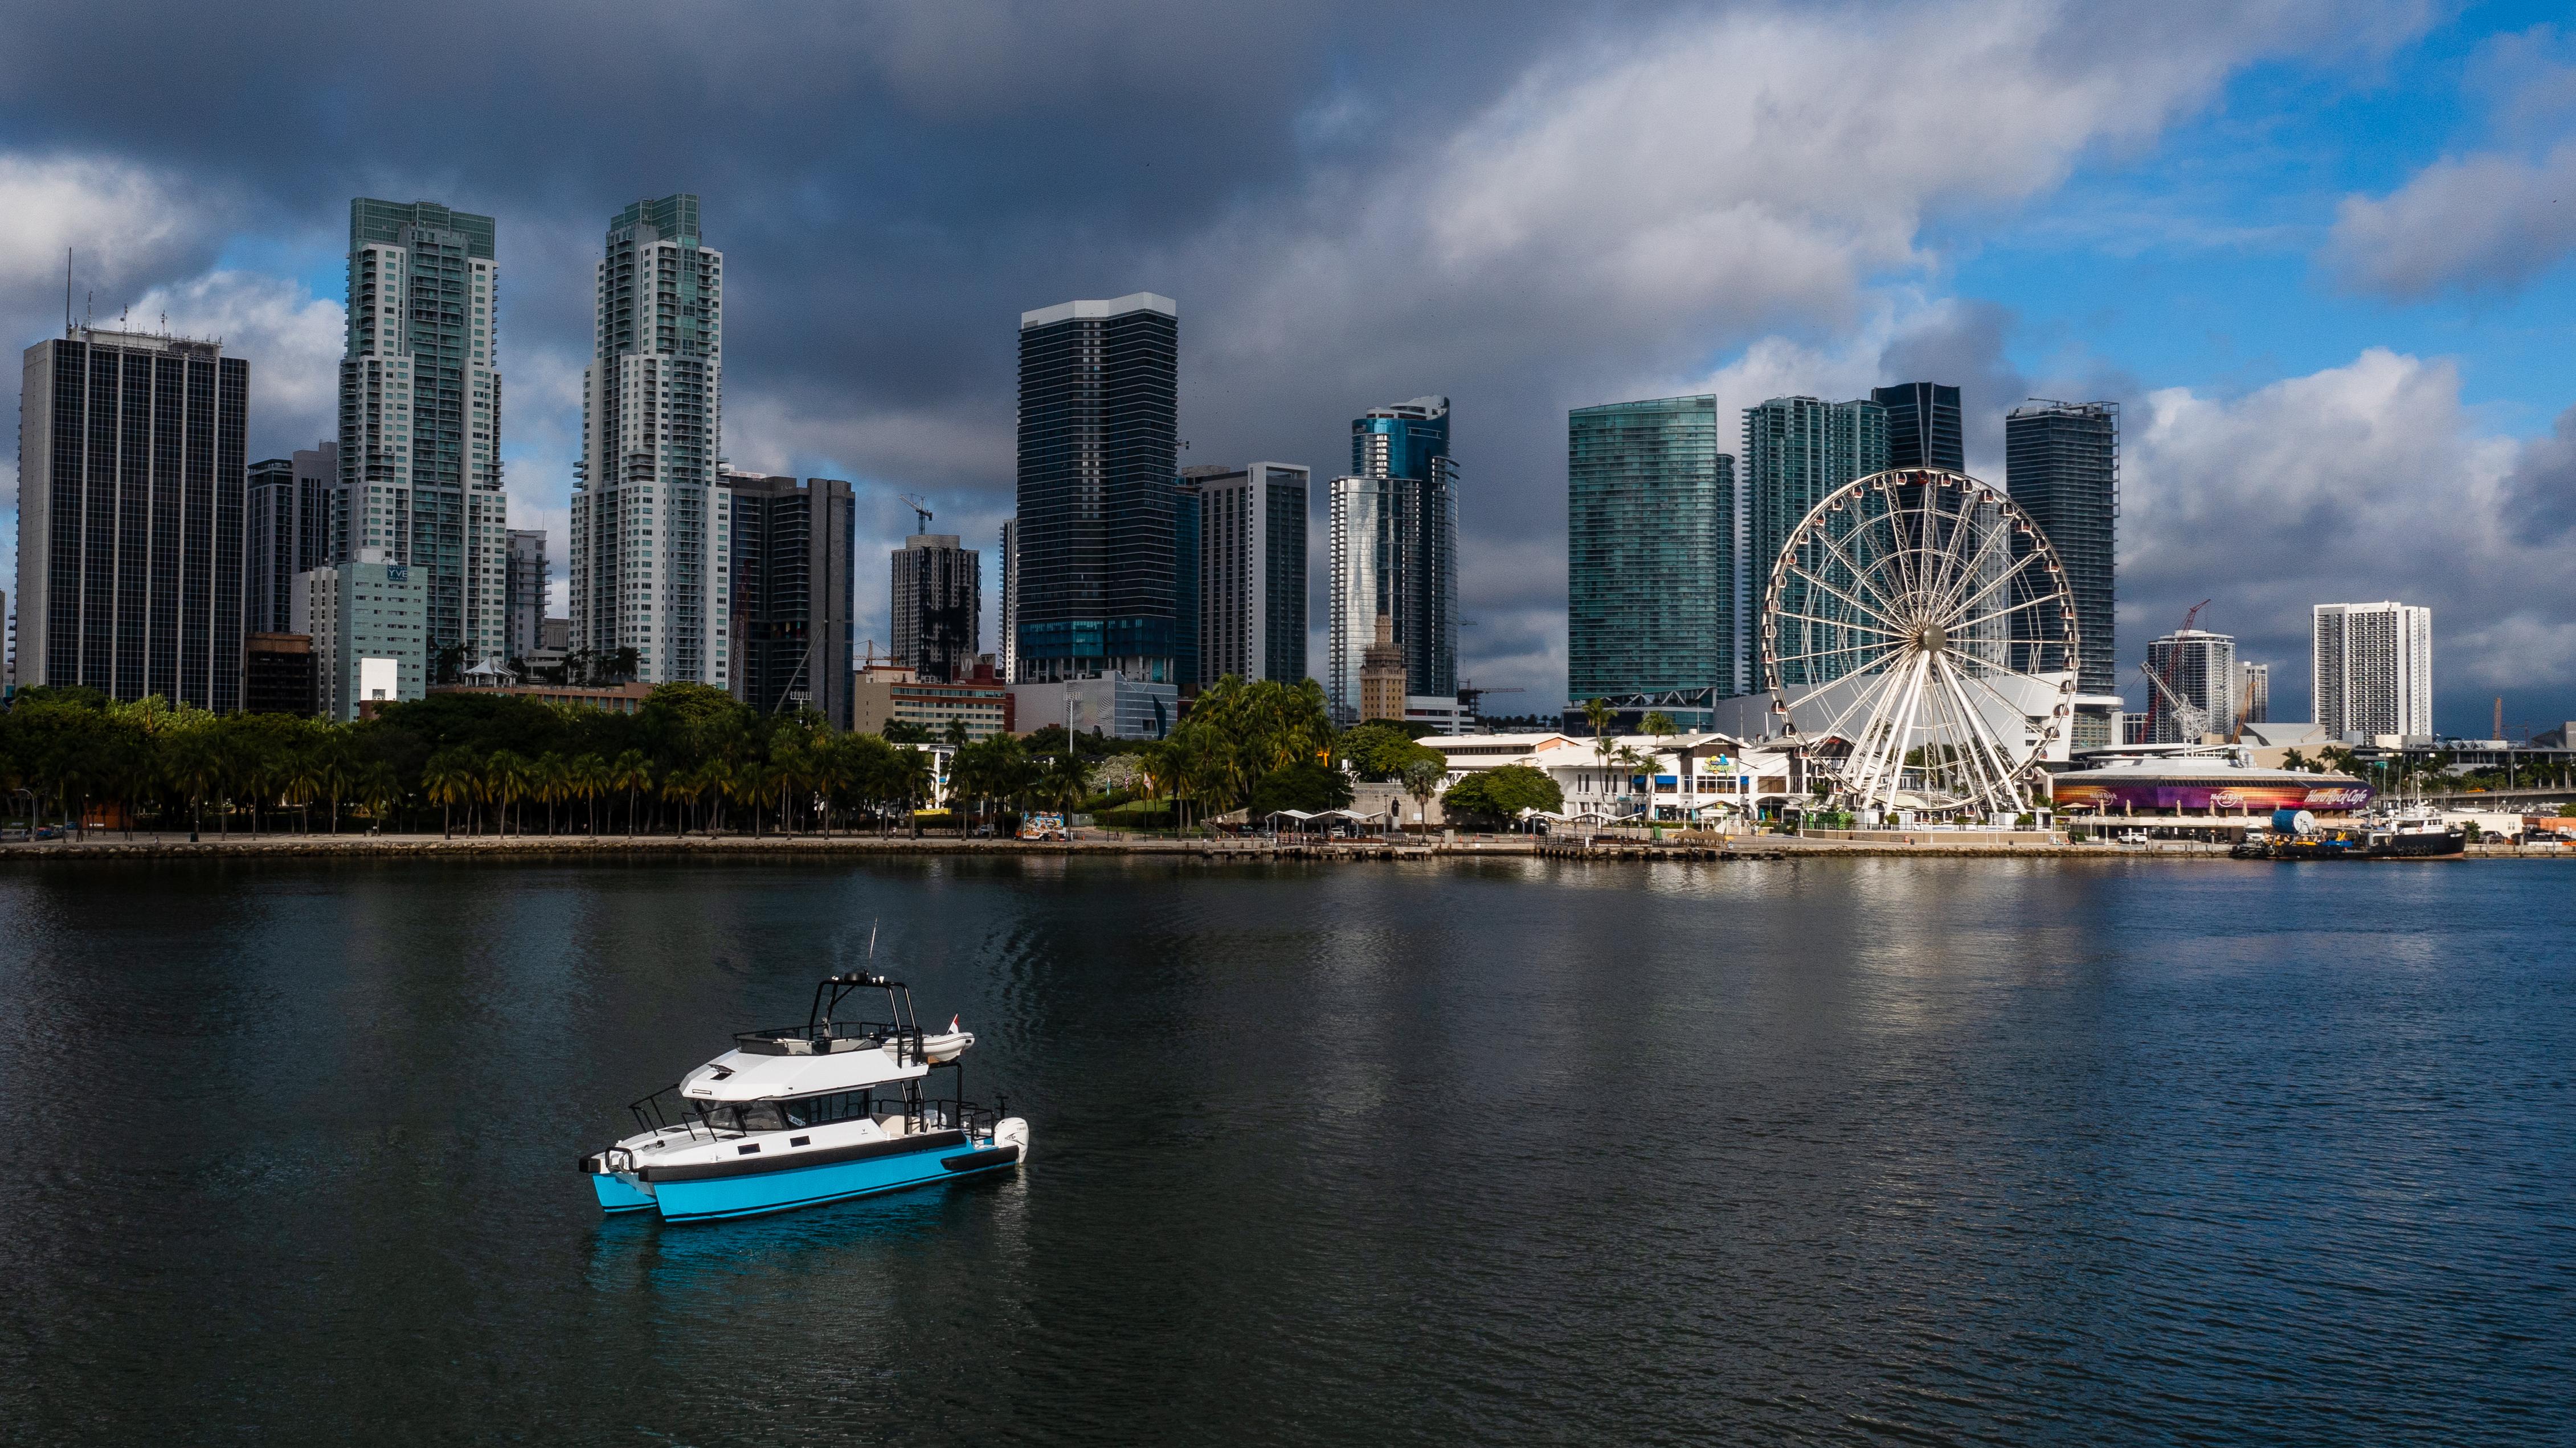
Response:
column 799, row 1115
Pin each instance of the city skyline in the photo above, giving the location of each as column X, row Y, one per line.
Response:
column 2277, row 298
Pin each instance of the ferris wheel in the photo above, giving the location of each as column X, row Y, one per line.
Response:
column 1919, row 637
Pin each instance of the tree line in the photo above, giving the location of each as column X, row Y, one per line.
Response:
column 689, row 759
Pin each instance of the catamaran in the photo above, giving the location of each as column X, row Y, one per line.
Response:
column 794, row 1116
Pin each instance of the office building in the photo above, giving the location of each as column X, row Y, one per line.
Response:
column 978, row 700
column 794, row 592
column 278, row 674
column 938, row 606
column 288, row 515
column 2372, row 670
column 1251, row 571
column 2199, row 669
column 1096, row 575
column 420, row 416
column 1394, row 551
column 2254, row 694
column 1108, row 704
column 651, row 548
column 523, row 592
column 131, row 475
column 2062, row 467
column 1009, row 632
column 1922, row 425
column 1797, row 450
column 368, row 620
column 1650, row 551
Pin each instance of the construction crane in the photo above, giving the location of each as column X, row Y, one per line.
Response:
column 2190, row 720
column 921, row 506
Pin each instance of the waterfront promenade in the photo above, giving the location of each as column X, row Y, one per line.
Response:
column 104, row 844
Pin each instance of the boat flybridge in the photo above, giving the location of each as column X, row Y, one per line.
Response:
column 797, row 1115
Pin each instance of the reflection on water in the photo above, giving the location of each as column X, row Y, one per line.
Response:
column 1494, row 1151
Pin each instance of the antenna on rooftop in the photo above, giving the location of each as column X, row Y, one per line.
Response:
column 67, row 291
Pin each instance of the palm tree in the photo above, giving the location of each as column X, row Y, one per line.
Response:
column 506, row 778
column 1422, row 779
column 449, row 781
column 587, row 777
column 551, row 779
column 632, row 773
column 912, row 779
column 380, row 790
column 680, row 787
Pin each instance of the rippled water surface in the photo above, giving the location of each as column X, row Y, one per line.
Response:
column 1886, row 1150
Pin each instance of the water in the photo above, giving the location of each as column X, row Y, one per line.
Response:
column 1525, row 1152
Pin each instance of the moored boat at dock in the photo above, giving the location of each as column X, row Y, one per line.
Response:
column 798, row 1115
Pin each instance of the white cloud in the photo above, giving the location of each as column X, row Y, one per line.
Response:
column 2482, row 220
column 2360, row 482
column 291, row 338
column 117, row 217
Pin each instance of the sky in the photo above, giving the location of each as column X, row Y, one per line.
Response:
column 2323, row 256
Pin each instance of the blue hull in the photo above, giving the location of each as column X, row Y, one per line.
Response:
column 778, row 1191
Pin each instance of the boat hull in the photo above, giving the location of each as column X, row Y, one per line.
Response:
column 755, row 1193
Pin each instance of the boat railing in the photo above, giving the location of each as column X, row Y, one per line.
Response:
column 832, row 1038
column 652, row 1116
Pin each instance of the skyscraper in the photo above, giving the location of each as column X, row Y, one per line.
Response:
column 2254, row 694
column 1922, row 425
column 651, row 550
column 1650, row 550
column 794, row 592
column 523, row 594
column 1251, row 571
column 369, row 625
column 131, row 477
column 420, row 416
column 1797, row 450
column 1096, row 576
column 2062, row 466
column 1010, row 600
column 1395, row 552
column 938, row 599
column 288, row 527
column 2200, row 668
column 2372, row 669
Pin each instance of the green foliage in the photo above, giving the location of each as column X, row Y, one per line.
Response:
column 1501, row 794
column 905, row 731
column 1305, row 785
column 1381, row 751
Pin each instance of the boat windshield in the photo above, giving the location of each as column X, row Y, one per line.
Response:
column 743, row 1116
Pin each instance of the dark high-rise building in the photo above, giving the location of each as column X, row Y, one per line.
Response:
column 1096, row 577
column 131, row 474
column 523, row 593
column 793, row 592
column 938, row 599
column 1922, row 425
column 1650, row 553
column 1395, row 552
column 279, row 675
column 2062, row 466
column 287, row 528
column 1251, row 571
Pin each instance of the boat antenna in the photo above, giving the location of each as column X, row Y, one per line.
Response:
column 872, row 942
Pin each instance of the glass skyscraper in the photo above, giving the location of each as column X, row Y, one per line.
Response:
column 420, row 417
column 1797, row 451
column 1395, row 552
column 1922, row 425
column 2062, row 466
column 130, row 502
column 1095, row 581
column 1650, row 551
column 287, row 530
column 651, row 556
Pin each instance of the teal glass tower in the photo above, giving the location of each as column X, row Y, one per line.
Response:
column 1797, row 451
column 1650, row 554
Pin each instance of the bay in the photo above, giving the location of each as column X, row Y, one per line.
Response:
column 1946, row 1151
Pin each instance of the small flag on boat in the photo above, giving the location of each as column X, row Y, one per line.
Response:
column 952, row 1024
